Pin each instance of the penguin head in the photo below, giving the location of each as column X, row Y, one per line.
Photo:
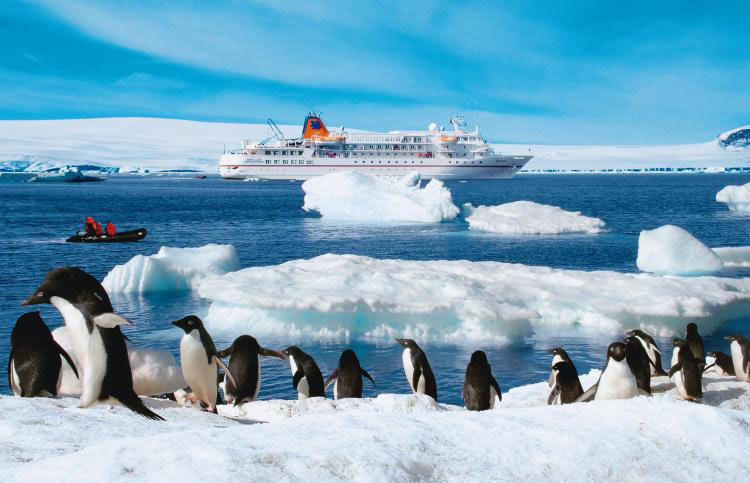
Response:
column 479, row 358
column 189, row 323
column 73, row 285
column 712, row 354
column 292, row 351
column 559, row 366
column 348, row 359
column 677, row 342
column 616, row 351
column 28, row 326
column 557, row 351
column 736, row 338
column 692, row 328
column 635, row 333
column 408, row 343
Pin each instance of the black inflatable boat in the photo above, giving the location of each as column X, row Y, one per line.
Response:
column 123, row 236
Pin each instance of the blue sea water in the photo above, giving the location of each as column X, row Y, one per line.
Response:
column 267, row 225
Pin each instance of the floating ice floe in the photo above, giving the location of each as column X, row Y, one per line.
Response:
column 734, row 256
column 529, row 218
column 355, row 196
column 361, row 297
column 393, row 437
column 737, row 198
column 671, row 250
column 171, row 269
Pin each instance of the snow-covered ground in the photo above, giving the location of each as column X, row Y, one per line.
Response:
column 737, row 198
column 388, row 438
column 529, row 218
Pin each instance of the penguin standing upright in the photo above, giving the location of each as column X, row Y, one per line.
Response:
column 34, row 364
column 654, row 354
column 98, row 343
column 722, row 364
column 307, row 379
column 480, row 387
column 348, row 377
column 199, row 360
column 639, row 362
column 740, row 350
column 567, row 388
column 244, row 363
column 616, row 380
column 418, row 371
column 686, row 372
column 695, row 342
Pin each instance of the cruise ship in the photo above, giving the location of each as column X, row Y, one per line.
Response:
column 435, row 153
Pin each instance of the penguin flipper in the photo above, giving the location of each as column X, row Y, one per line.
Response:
column 135, row 404
column 589, row 394
column 551, row 380
column 67, row 358
column 708, row 367
column 225, row 353
column 674, row 369
column 297, row 378
column 272, row 353
column 364, row 373
column 110, row 320
column 226, row 371
column 331, row 378
column 494, row 384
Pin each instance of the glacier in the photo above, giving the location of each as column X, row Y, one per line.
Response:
column 171, row 269
column 529, row 218
column 737, row 198
column 355, row 196
column 671, row 250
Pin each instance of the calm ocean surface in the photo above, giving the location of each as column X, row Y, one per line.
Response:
column 267, row 225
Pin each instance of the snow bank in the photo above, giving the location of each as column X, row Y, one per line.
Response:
column 388, row 438
column 355, row 296
column 529, row 218
column 737, row 198
column 734, row 256
column 355, row 196
column 671, row 250
column 171, row 269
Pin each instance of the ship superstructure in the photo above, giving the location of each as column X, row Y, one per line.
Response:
column 435, row 153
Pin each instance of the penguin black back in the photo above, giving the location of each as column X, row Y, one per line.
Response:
column 639, row 363
column 690, row 369
column 244, row 365
column 34, row 362
column 307, row 368
column 479, row 384
column 348, row 376
column 695, row 341
column 567, row 384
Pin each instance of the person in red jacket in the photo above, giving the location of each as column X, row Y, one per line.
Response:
column 98, row 228
column 90, row 226
column 110, row 228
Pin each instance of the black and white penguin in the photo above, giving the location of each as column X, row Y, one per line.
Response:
column 740, row 350
column 695, row 341
column 200, row 360
column 639, row 362
column 244, row 363
column 348, row 377
column 616, row 380
column 651, row 349
column 559, row 355
column 480, row 387
column 418, row 371
column 98, row 343
column 34, row 364
column 722, row 364
column 567, row 388
column 307, row 379
column 686, row 372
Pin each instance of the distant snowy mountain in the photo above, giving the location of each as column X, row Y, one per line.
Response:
column 736, row 138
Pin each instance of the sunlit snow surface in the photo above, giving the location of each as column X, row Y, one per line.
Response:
column 737, row 198
column 388, row 438
column 671, row 250
column 529, row 218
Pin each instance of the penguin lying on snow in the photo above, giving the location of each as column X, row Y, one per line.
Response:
column 616, row 380
column 348, row 377
column 418, row 371
column 722, row 364
column 480, row 387
column 654, row 354
column 34, row 364
column 244, row 363
column 686, row 372
column 95, row 333
column 199, row 359
column 306, row 377
column 740, row 350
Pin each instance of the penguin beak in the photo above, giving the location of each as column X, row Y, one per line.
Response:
column 402, row 342
column 629, row 333
column 38, row 297
column 551, row 351
column 729, row 337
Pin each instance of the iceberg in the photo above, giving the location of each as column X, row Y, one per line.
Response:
column 734, row 256
column 737, row 198
column 171, row 269
column 671, row 250
column 529, row 218
column 356, row 196
column 392, row 437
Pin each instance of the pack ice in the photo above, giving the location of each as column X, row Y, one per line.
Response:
column 529, row 218
column 737, row 198
column 671, row 250
column 171, row 269
column 355, row 196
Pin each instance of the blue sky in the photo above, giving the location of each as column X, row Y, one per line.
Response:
column 542, row 72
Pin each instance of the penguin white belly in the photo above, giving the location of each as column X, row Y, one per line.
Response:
column 675, row 359
column 408, row 368
column 336, row 389
column 14, row 381
column 616, row 382
column 679, row 382
column 552, row 375
column 198, row 373
column 76, row 324
column 493, row 397
column 94, row 369
column 303, row 388
column 69, row 384
column 737, row 361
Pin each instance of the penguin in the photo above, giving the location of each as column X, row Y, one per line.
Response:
column 740, row 350
column 616, row 380
column 244, row 363
column 559, row 355
column 695, row 342
column 348, row 377
column 480, row 387
column 34, row 364
column 199, row 359
column 722, row 364
column 306, row 377
column 418, row 371
column 686, row 372
column 567, row 387
column 94, row 330
column 639, row 362
column 651, row 349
